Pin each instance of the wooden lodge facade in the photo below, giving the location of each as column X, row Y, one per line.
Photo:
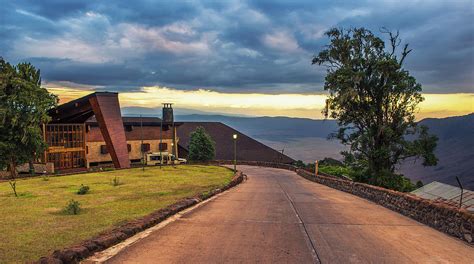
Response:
column 90, row 131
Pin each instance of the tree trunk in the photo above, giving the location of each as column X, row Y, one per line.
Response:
column 32, row 167
column 12, row 169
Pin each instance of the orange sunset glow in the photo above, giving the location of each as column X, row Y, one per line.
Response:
column 260, row 104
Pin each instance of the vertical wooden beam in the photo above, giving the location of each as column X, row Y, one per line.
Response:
column 106, row 108
column 84, row 144
column 45, row 140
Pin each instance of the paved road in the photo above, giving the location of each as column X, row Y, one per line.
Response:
column 277, row 216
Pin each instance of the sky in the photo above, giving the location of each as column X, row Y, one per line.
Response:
column 236, row 57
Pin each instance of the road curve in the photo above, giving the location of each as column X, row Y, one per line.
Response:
column 277, row 216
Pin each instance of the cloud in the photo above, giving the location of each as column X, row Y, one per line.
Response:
column 141, row 40
column 282, row 41
column 228, row 46
column 113, row 43
column 248, row 52
column 38, row 17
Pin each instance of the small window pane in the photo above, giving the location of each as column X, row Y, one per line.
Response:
column 103, row 149
column 145, row 147
column 163, row 146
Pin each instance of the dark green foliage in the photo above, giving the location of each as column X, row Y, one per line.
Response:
column 336, row 170
column 300, row 164
column 83, row 189
column 419, row 184
column 374, row 100
column 201, row 146
column 385, row 179
column 24, row 107
column 73, row 207
column 330, row 162
column 326, row 162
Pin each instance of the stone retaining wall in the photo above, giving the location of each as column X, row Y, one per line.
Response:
column 457, row 222
column 76, row 253
column 24, row 169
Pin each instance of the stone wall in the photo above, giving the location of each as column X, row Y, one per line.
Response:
column 457, row 222
column 24, row 169
column 39, row 168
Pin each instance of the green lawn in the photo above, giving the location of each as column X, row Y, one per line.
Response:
column 34, row 224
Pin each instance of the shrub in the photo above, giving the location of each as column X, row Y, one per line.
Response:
column 201, row 146
column 83, row 189
column 300, row 164
column 330, row 162
column 336, row 170
column 13, row 185
column 419, row 184
column 73, row 207
column 116, row 181
column 386, row 179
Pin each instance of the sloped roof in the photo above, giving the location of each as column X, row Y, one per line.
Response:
column 78, row 110
column 248, row 148
column 444, row 192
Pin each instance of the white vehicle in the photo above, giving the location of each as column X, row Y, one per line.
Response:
column 164, row 158
column 182, row 161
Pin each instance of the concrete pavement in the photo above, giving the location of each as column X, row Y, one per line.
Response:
column 277, row 216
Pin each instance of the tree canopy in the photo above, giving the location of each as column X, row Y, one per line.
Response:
column 201, row 146
column 374, row 99
column 24, row 106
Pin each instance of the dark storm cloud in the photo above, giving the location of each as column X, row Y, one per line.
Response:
column 263, row 46
column 52, row 9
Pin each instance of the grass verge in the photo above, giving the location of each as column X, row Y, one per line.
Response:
column 34, row 224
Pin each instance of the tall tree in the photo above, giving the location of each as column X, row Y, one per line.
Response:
column 374, row 99
column 24, row 106
column 201, row 146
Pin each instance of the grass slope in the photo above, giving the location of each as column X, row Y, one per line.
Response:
column 33, row 224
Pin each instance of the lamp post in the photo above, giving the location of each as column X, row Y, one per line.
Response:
column 235, row 152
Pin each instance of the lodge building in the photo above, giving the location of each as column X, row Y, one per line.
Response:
column 143, row 135
column 90, row 131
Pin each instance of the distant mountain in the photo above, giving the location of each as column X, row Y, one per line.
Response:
column 455, row 152
column 156, row 111
column 271, row 128
column 306, row 139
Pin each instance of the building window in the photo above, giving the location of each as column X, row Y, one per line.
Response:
column 128, row 128
column 129, row 147
column 64, row 135
column 145, row 147
column 163, row 146
column 103, row 149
